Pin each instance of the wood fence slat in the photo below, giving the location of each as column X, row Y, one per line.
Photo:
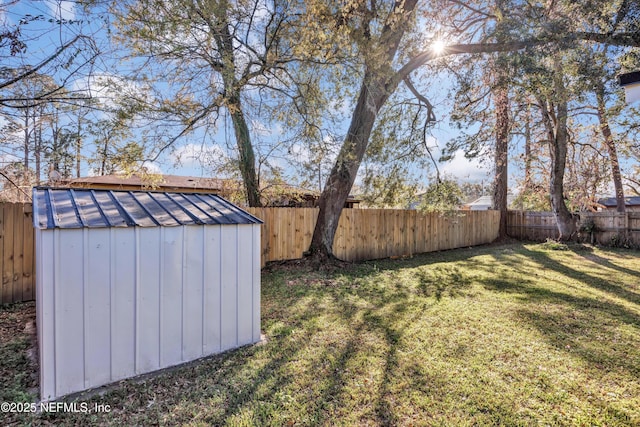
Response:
column 28, row 290
column 286, row 233
column 610, row 227
column 18, row 252
column 7, row 259
column 3, row 232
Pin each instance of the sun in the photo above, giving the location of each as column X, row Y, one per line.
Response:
column 438, row 47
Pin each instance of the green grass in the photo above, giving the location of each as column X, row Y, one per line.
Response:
column 512, row 335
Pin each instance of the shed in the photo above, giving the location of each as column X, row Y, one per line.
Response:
column 129, row 282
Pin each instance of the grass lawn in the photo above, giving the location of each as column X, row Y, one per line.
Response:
column 517, row 334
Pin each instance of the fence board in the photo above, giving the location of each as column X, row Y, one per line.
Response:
column 17, row 248
column 7, row 260
column 365, row 234
column 609, row 228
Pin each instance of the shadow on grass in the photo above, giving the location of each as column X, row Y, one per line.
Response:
column 380, row 299
column 582, row 326
column 606, row 285
column 607, row 263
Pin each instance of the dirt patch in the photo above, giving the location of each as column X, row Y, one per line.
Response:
column 18, row 352
column 17, row 320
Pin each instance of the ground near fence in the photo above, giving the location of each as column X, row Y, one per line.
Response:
column 514, row 334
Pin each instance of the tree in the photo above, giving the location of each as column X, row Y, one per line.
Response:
column 382, row 31
column 26, row 51
column 444, row 196
column 212, row 56
column 111, row 147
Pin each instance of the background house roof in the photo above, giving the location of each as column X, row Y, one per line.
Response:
column 279, row 194
column 80, row 208
column 153, row 182
column 611, row 201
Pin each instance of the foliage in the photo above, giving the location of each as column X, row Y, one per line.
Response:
column 16, row 183
column 443, row 196
column 390, row 188
column 554, row 245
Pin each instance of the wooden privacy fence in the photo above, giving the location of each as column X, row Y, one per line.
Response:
column 365, row 234
column 604, row 228
column 17, row 253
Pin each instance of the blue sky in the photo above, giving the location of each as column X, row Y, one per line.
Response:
column 190, row 155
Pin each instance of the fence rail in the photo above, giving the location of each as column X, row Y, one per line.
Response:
column 365, row 234
column 17, row 253
column 604, row 228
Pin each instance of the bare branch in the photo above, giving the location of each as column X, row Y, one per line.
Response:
column 431, row 117
column 38, row 67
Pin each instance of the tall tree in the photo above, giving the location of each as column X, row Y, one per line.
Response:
column 384, row 29
column 554, row 109
column 210, row 57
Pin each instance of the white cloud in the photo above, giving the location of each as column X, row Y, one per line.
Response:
column 152, row 167
column 463, row 169
column 62, row 9
column 6, row 158
column 300, row 153
column 108, row 88
column 261, row 129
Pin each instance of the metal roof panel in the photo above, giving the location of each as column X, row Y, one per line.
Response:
column 80, row 208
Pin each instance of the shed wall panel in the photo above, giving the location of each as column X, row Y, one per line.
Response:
column 171, row 300
column 245, row 284
column 229, row 286
column 114, row 303
column 45, row 247
column 148, row 300
column 255, row 280
column 212, row 290
column 192, row 314
column 69, row 303
column 98, row 308
column 123, row 296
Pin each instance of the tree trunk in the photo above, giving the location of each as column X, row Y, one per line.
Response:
column 103, row 160
column 527, row 152
column 558, row 151
column 37, row 152
column 611, row 148
column 247, row 166
column 27, row 141
column 500, row 188
column 379, row 82
column 245, row 150
column 372, row 96
column 78, row 150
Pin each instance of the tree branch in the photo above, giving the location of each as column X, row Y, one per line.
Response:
column 619, row 39
column 431, row 117
column 42, row 64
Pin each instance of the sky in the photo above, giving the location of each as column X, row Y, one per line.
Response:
column 190, row 156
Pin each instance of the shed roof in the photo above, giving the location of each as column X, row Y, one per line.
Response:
column 79, row 208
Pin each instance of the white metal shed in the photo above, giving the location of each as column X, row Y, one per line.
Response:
column 131, row 282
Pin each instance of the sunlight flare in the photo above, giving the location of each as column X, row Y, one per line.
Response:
column 438, row 47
